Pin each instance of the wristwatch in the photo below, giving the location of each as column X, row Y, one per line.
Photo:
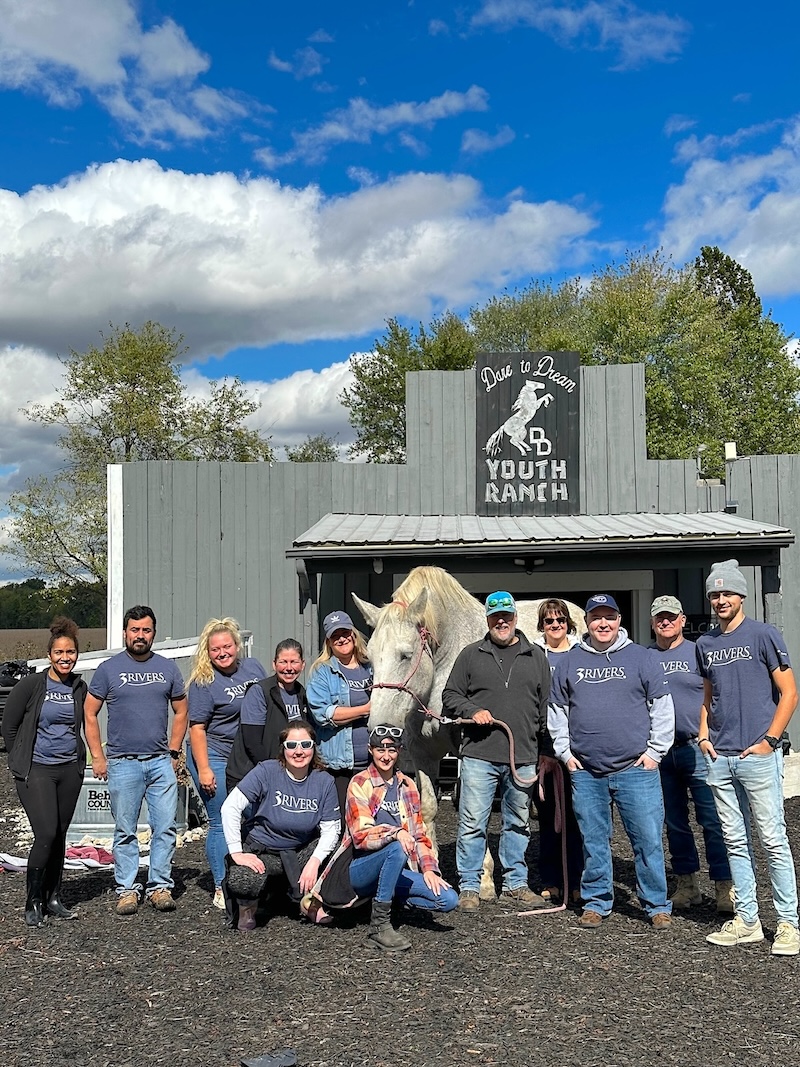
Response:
column 175, row 753
column 773, row 742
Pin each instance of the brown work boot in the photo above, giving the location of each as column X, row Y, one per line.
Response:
column 661, row 921
column 687, row 891
column 590, row 920
column 723, row 892
column 128, row 903
column 524, row 896
column 468, row 900
column 161, row 899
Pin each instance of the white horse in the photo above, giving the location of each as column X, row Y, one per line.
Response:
column 412, row 650
column 526, row 405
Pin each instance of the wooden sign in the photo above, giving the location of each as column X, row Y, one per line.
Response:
column 528, row 433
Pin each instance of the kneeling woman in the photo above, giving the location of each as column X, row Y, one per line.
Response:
column 295, row 827
column 392, row 854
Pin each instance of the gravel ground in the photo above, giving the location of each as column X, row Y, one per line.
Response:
column 490, row 988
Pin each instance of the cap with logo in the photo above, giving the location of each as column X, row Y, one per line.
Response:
column 601, row 600
column 666, row 603
column 336, row 620
column 725, row 577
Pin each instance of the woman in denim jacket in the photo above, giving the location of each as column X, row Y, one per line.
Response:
column 339, row 697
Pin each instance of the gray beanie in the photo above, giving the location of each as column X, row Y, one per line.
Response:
column 726, row 577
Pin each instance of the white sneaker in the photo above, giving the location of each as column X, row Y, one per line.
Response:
column 787, row 940
column 737, row 932
column 219, row 899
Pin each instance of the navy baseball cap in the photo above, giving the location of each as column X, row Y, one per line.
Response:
column 336, row 620
column 601, row 600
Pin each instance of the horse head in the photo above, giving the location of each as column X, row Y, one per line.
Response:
column 401, row 653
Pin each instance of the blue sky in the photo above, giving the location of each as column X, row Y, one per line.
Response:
column 276, row 182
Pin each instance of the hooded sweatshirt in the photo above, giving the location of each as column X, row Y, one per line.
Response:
column 609, row 707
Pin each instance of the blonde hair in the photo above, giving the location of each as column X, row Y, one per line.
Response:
column 326, row 655
column 202, row 672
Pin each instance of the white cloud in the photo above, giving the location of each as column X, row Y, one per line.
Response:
column 307, row 63
column 321, row 37
column 437, row 27
column 360, row 120
column 678, row 124
column 146, row 78
column 748, row 203
column 637, row 36
column 476, row 142
column 232, row 262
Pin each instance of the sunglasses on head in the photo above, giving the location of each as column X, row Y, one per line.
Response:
column 290, row 746
column 500, row 603
column 551, row 619
column 388, row 731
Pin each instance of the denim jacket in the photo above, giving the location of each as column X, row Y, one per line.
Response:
column 328, row 690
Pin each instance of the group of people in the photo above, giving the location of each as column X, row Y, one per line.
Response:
column 303, row 797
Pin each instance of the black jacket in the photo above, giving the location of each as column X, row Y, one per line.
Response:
column 516, row 695
column 21, row 720
column 253, row 744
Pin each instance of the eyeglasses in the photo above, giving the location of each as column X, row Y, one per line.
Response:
column 388, row 731
column 500, row 603
column 290, row 746
column 554, row 620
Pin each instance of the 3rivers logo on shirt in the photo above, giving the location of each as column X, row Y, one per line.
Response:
column 599, row 674
column 141, row 678
column 677, row 666
column 292, row 803
column 721, row 657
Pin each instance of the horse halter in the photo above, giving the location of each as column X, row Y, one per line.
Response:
column 425, row 638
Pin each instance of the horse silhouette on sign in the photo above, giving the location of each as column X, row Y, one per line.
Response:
column 526, row 405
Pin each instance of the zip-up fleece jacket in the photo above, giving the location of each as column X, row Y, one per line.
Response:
column 21, row 721
column 609, row 707
column 253, row 744
column 517, row 696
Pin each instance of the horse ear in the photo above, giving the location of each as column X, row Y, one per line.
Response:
column 416, row 609
column 369, row 611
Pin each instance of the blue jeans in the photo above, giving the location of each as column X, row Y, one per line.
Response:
column 637, row 795
column 130, row 781
column 755, row 782
column 216, row 848
column 684, row 772
column 479, row 781
column 384, row 876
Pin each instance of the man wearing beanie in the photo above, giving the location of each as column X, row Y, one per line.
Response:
column 749, row 697
column 683, row 769
column 612, row 721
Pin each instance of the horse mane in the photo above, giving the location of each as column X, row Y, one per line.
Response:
column 445, row 597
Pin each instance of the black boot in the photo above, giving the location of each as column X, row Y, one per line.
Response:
column 382, row 934
column 34, row 910
column 55, row 872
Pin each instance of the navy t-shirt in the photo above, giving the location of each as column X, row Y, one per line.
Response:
column 288, row 812
column 137, row 694
column 291, row 702
column 359, row 681
column 679, row 665
column 55, row 737
column 218, row 706
column 388, row 814
column 739, row 666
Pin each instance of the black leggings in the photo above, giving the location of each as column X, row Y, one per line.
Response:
column 49, row 797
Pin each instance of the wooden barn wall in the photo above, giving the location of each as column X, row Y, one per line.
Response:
column 209, row 539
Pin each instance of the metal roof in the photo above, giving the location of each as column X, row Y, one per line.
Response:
column 388, row 535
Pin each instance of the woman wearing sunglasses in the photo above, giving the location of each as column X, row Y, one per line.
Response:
column 295, row 826
column 558, row 637
column 392, row 854
column 339, row 698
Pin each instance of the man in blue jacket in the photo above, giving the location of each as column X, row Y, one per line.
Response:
column 612, row 720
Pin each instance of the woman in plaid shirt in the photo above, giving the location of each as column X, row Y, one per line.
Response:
column 393, row 857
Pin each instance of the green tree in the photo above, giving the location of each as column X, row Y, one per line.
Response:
column 716, row 367
column 122, row 401
column 377, row 399
column 321, row 448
